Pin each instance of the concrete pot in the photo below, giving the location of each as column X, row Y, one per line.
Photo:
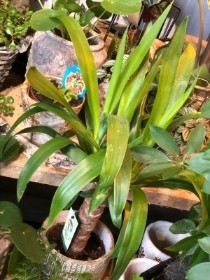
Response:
column 44, row 118
column 68, row 266
column 156, row 238
column 52, row 55
column 136, row 267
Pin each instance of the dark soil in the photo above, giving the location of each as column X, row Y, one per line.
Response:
column 93, row 250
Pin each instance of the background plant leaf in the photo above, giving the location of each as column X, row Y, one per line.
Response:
column 182, row 226
column 195, row 139
column 164, row 139
column 9, row 214
column 200, row 271
column 120, row 7
column 26, row 239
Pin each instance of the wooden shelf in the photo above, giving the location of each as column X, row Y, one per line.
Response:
column 53, row 176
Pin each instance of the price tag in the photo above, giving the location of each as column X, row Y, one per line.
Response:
column 69, row 229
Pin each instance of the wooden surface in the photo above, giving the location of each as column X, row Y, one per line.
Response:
column 53, row 176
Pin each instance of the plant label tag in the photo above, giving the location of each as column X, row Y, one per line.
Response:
column 69, row 229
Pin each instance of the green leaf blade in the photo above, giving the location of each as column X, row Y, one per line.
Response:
column 74, row 182
column 26, row 239
column 144, row 154
column 120, row 7
column 164, row 139
column 131, row 241
column 200, row 271
column 36, row 160
column 121, row 190
column 204, row 243
column 117, row 140
column 195, row 139
column 10, row 214
column 9, row 147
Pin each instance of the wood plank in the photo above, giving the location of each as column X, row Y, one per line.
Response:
column 44, row 175
column 180, row 199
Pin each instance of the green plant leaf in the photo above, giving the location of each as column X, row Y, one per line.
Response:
column 200, row 164
column 117, row 141
column 36, row 160
column 122, row 7
column 144, row 154
column 98, row 10
column 171, row 96
column 70, row 6
column 86, row 18
column 205, row 110
column 45, row 19
column 204, row 243
column 111, row 97
column 170, row 184
column 121, row 189
column 121, row 235
column 164, row 139
column 41, row 129
column 9, row 214
column 195, row 213
column 165, row 170
column 198, row 181
column 73, row 183
column 15, row 257
column 87, row 66
column 195, row 139
column 182, row 226
column 46, row 87
column 199, row 256
column 131, row 65
column 184, row 245
column 136, row 277
column 26, row 239
column 9, row 147
column 200, row 271
column 133, row 233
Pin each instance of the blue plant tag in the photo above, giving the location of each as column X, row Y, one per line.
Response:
column 73, row 81
column 69, row 229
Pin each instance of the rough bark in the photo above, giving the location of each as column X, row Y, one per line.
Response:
column 87, row 223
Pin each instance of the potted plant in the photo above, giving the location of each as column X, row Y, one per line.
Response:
column 15, row 27
column 73, row 89
column 117, row 141
column 62, row 55
column 16, row 237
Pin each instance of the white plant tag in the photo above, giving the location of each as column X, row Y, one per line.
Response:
column 69, row 229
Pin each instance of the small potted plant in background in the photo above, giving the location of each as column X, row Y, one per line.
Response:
column 72, row 88
column 113, row 148
column 14, row 35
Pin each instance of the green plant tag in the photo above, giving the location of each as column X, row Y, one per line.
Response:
column 69, row 229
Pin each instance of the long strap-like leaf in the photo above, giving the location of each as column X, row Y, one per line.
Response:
column 87, row 65
column 136, row 224
column 87, row 170
column 36, row 160
column 137, row 57
column 117, row 140
column 119, row 197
